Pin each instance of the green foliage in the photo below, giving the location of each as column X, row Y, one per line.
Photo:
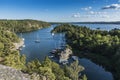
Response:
column 100, row 46
column 22, row 25
column 47, row 72
column 84, row 77
column 10, row 57
column 47, row 62
column 47, row 69
column 15, row 60
column 6, row 40
column 59, row 73
column 1, row 46
column 8, row 37
column 73, row 70
column 33, row 66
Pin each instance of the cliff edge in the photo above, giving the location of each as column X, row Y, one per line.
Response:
column 8, row 73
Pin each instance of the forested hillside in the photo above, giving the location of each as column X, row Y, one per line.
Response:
column 8, row 56
column 36, row 70
column 102, row 47
column 22, row 25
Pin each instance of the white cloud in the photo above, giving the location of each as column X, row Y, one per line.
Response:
column 112, row 6
column 87, row 8
column 97, row 13
column 76, row 15
column 104, row 16
column 92, row 12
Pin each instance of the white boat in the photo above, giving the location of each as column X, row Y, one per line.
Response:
column 19, row 49
column 51, row 56
column 37, row 40
column 75, row 58
column 53, row 34
column 23, row 46
column 23, row 39
column 64, row 63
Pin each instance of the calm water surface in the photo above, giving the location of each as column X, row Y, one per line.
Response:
column 48, row 42
column 101, row 26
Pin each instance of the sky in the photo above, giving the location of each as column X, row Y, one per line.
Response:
column 61, row 10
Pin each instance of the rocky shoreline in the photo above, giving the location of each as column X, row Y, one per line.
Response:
column 17, row 46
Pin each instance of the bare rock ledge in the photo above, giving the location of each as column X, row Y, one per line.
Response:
column 8, row 73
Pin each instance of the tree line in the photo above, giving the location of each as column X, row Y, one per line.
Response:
column 47, row 69
column 101, row 46
column 22, row 25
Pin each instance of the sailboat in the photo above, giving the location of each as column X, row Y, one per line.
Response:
column 23, row 45
column 22, row 40
column 53, row 34
column 37, row 40
column 22, row 37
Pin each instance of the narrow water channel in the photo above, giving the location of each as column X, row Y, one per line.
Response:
column 49, row 42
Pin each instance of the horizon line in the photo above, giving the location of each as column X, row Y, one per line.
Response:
column 61, row 21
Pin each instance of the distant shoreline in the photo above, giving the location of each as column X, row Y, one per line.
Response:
column 118, row 22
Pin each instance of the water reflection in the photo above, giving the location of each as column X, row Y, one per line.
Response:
column 49, row 42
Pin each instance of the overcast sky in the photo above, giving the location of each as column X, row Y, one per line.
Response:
column 61, row 10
